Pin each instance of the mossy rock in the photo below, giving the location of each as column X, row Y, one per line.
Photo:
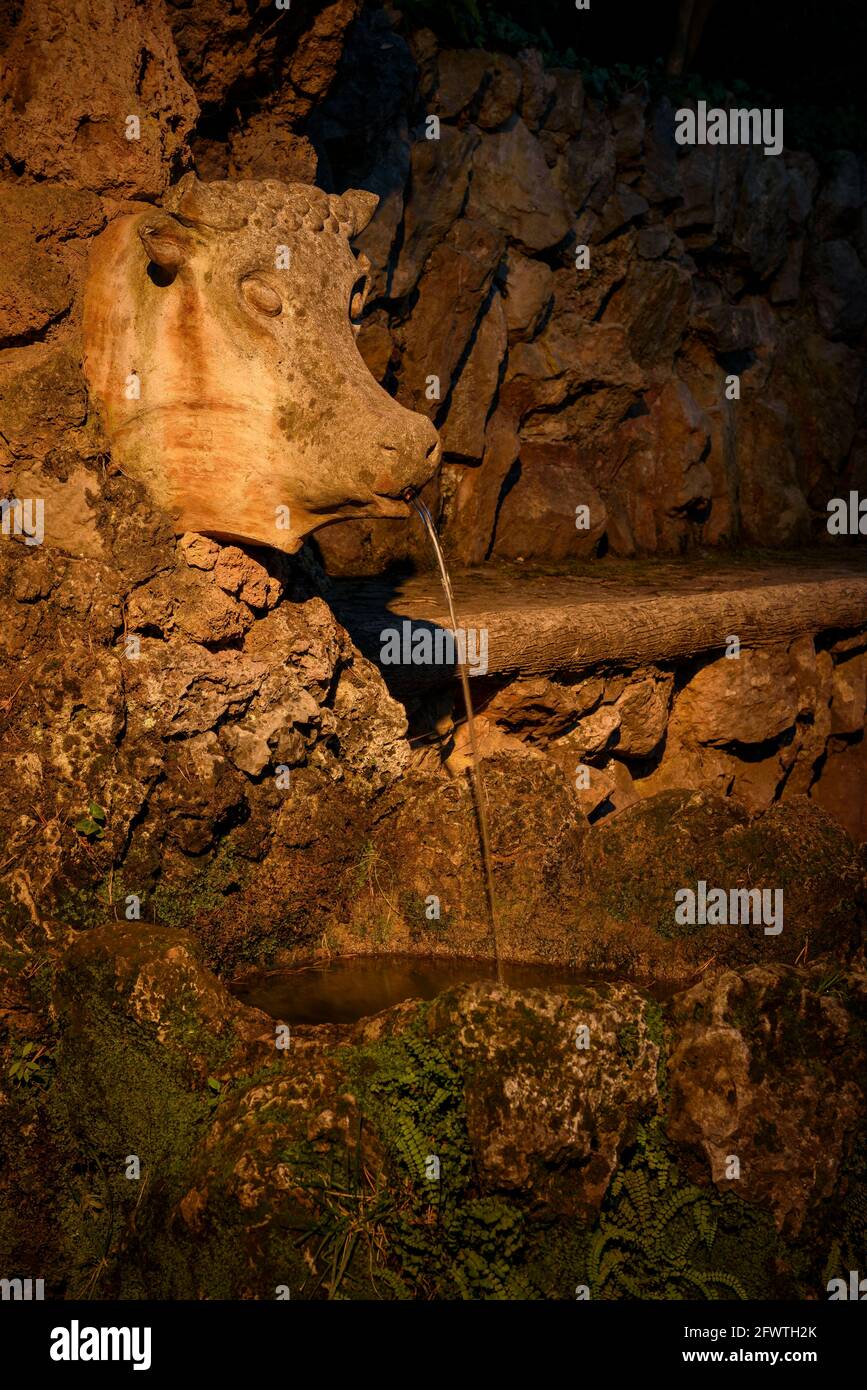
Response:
column 462, row 1148
column 635, row 864
column 766, row 1072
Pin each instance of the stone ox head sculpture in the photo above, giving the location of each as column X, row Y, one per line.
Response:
column 219, row 339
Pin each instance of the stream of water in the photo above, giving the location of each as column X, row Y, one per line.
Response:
column 478, row 783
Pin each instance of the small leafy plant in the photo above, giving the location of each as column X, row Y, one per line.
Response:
column 92, row 824
column 25, row 1068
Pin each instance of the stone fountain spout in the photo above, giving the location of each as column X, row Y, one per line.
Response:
column 219, row 337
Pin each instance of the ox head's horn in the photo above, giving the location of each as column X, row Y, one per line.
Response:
column 166, row 242
column 355, row 207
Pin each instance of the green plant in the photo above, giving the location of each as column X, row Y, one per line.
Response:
column 461, row 20
column 365, row 870
column 92, row 824
column 365, row 874
column 829, row 984
column 508, row 26
column 352, row 1209
column 815, row 120
column 26, row 1068
column 615, row 81
column 440, row 1237
column 657, row 1233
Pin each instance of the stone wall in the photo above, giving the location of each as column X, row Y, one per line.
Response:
column 605, row 386
column 149, row 683
column 778, row 722
column 164, row 682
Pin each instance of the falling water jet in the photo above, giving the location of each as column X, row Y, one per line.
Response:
column 478, row 785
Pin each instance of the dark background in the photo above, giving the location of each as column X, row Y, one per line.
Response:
column 808, row 57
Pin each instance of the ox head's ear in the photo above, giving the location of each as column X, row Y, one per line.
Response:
column 167, row 243
column 355, row 207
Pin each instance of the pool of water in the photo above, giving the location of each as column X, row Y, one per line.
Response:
column 344, row 990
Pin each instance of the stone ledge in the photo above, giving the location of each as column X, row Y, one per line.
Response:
column 612, row 614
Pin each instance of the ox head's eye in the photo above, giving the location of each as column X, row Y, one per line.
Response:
column 261, row 296
column 357, row 298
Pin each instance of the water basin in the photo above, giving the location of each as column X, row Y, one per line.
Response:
column 346, row 989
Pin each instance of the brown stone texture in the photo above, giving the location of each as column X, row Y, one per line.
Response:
column 763, row 1071
column 439, row 171
column 512, row 187
column 549, row 495
column 463, row 434
column 48, row 225
column 162, row 681
column 222, row 46
column 65, row 118
column 558, row 388
column 451, row 293
column 703, row 267
column 558, row 1106
column 758, row 726
column 201, row 767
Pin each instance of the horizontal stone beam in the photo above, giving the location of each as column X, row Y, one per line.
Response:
column 545, row 625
